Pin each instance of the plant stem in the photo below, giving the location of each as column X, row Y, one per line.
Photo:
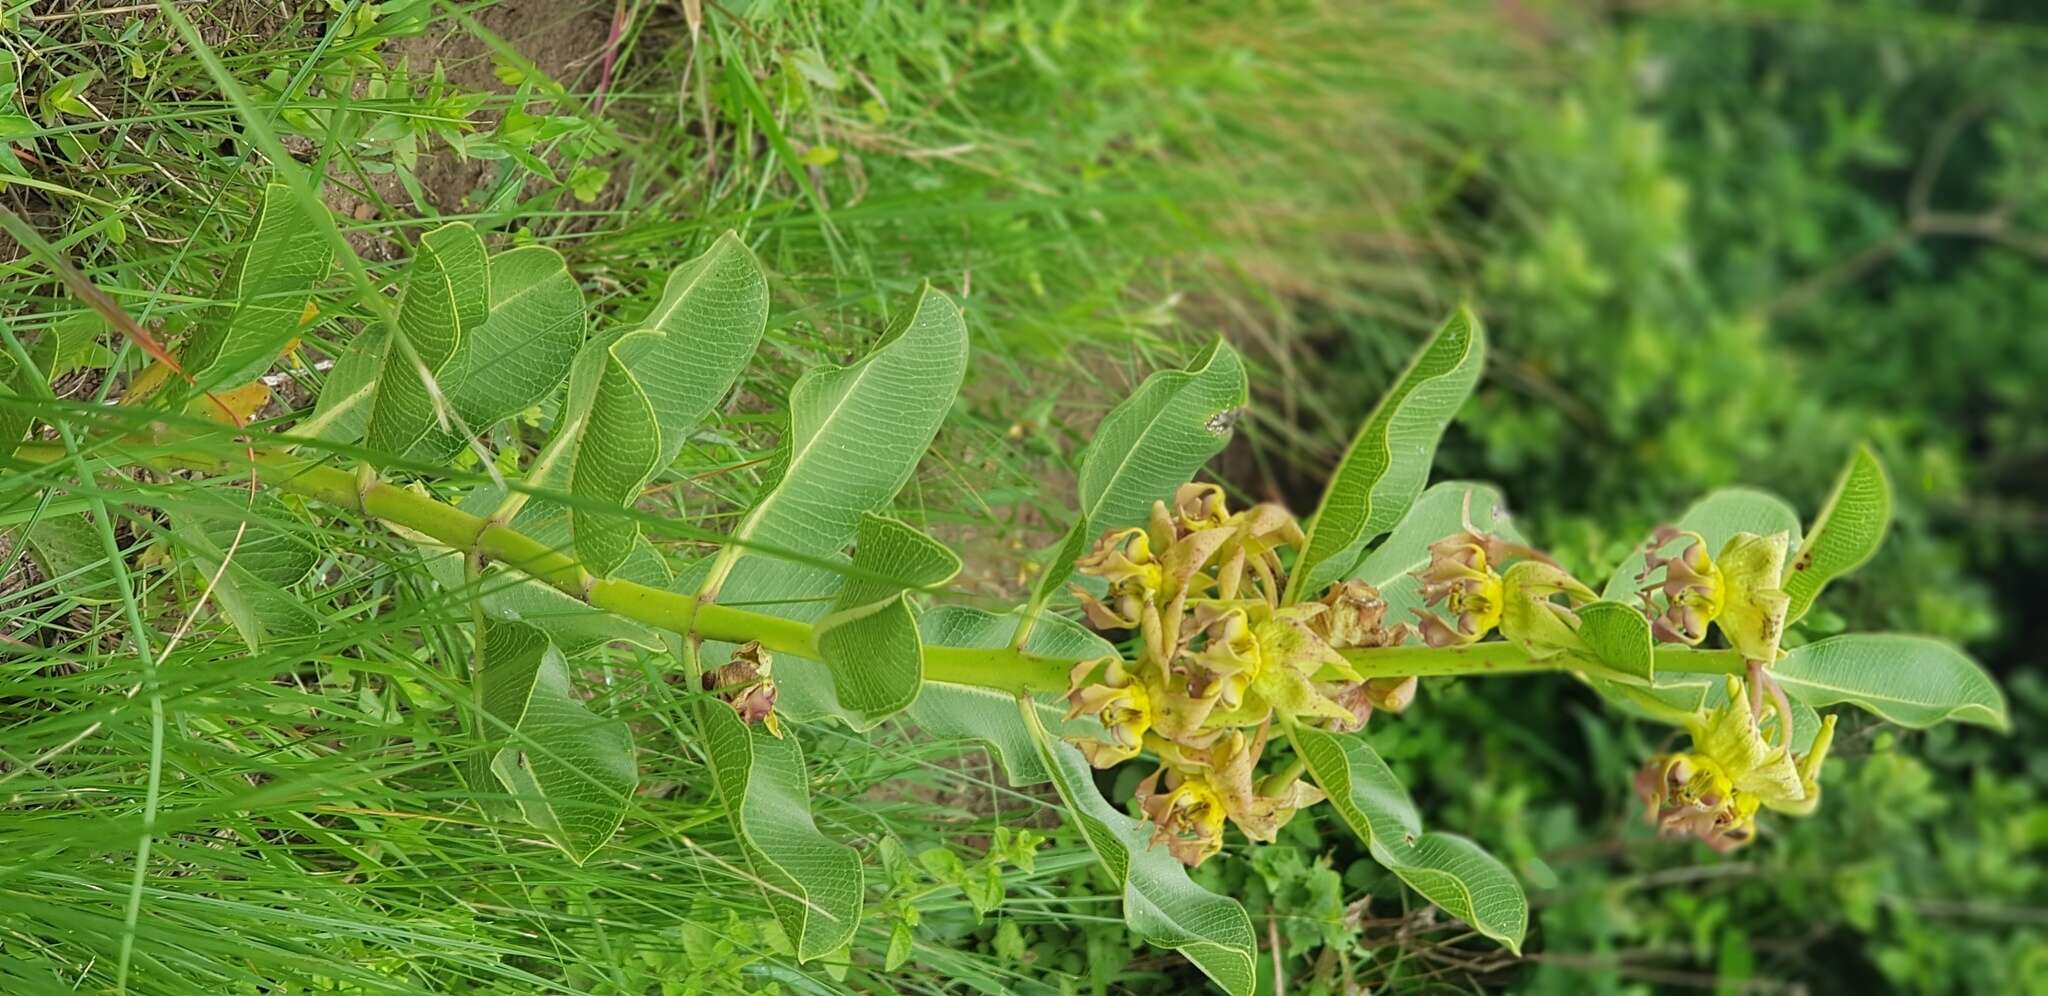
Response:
column 1005, row 668
column 1506, row 658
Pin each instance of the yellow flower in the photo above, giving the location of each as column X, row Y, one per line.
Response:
column 1714, row 791
column 1739, row 591
column 1189, row 816
column 1753, row 616
column 1105, row 690
column 1460, row 578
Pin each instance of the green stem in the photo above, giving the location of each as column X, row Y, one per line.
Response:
column 1506, row 658
column 1005, row 668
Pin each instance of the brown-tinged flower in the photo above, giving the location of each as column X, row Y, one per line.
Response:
column 1739, row 591
column 1460, row 578
column 747, row 683
column 1105, row 690
column 1189, row 815
column 1354, row 615
column 1122, row 557
column 1692, row 587
column 1715, row 790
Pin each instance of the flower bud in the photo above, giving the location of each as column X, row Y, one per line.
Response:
column 747, row 683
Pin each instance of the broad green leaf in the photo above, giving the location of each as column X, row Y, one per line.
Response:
column 1384, row 469
column 1915, row 681
column 1162, row 906
column 620, row 451
column 349, row 391
column 856, row 435
column 520, row 353
column 252, row 590
column 811, row 883
column 857, row 432
column 446, row 297
column 1440, row 512
column 1715, row 517
column 633, row 407
column 946, row 711
column 870, row 639
column 571, row 773
column 1450, row 871
column 266, row 289
column 1849, row 530
column 68, row 550
column 1148, row 445
column 1617, row 637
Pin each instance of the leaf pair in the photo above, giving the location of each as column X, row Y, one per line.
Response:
column 485, row 337
column 571, row 773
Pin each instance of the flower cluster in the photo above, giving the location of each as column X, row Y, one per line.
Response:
column 1713, row 791
column 1219, row 658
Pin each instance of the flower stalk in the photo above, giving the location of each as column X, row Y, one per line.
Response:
column 1004, row 668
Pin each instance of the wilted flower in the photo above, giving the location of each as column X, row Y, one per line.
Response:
column 1105, row 690
column 1124, row 559
column 1360, row 698
column 1713, row 792
column 747, row 684
column 1354, row 615
column 1189, row 815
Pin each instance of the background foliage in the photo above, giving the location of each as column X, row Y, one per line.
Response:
column 1715, row 243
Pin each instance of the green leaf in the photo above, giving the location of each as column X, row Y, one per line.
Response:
column 252, row 590
column 1715, row 517
column 349, row 391
column 26, row 389
column 870, row 640
column 1161, row 904
column 1849, row 530
column 1384, row 469
column 640, row 395
column 1450, row 871
column 520, row 353
column 1439, row 513
column 857, row 432
column 266, row 289
column 946, row 711
column 1148, row 445
column 856, row 435
column 1617, row 637
column 1914, row 681
column 811, row 883
column 447, row 295
column 571, row 773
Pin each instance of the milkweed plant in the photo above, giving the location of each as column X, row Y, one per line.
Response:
column 1237, row 654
